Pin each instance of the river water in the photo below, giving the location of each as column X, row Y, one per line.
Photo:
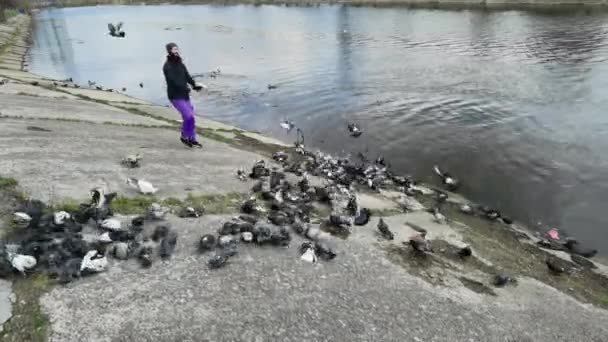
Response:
column 512, row 102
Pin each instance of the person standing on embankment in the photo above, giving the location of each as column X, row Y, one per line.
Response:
column 178, row 78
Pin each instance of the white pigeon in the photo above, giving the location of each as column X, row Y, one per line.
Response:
column 309, row 256
column 105, row 237
column 22, row 262
column 60, row 217
column 22, row 219
column 142, row 186
column 111, row 224
column 247, row 236
column 93, row 263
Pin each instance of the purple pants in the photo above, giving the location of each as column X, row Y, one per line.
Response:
column 185, row 108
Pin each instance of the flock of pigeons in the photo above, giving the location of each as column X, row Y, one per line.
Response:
column 68, row 245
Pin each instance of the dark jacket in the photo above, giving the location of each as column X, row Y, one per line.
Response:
column 177, row 78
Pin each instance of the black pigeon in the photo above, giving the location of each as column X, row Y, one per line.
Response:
column 573, row 247
column 167, row 245
column 384, row 230
column 248, row 218
column 556, row 266
column 137, row 221
column 501, row 280
column 363, row 217
column 259, row 170
column 206, row 243
column 324, row 251
column 160, row 232
column 249, row 206
column 465, row 252
column 217, row 261
column 420, row 244
column 145, row 257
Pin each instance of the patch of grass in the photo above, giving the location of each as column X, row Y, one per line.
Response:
column 8, row 183
column 69, row 205
column 10, row 12
column 28, row 323
column 132, row 205
column 213, row 204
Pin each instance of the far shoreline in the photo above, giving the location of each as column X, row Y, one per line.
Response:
column 542, row 6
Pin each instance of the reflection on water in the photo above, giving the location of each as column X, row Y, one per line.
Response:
column 510, row 101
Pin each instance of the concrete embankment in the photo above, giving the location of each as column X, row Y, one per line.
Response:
column 58, row 142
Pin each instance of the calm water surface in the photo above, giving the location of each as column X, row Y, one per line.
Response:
column 512, row 102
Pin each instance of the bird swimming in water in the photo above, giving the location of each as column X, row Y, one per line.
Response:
column 449, row 182
column 272, row 86
column 116, row 30
column 131, row 161
column 384, row 230
column 354, row 130
column 574, row 247
column 142, row 186
column 141, row 84
column 287, row 125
